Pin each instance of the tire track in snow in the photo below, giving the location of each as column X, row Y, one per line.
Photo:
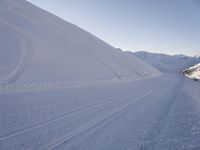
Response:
column 83, row 130
column 76, row 111
column 108, row 115
column 93, row 124
column 26, row 53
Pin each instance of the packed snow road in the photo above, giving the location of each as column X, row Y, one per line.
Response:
column 139, row 114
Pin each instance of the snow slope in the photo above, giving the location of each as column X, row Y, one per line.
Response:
column 193, row 72
column 38, row 47
column 167, row 63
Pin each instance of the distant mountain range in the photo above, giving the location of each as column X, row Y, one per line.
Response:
column 167, row 63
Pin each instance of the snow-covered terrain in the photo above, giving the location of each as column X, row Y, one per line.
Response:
column 167, row 63
column 155, row 113
column 64, row 89
column 193, row 72
column 38, row 48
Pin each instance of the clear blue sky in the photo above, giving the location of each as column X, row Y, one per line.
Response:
column 164, row 26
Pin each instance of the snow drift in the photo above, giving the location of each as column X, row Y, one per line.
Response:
column 38, row 47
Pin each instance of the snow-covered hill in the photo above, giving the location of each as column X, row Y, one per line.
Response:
column 167, row 63
column 193, row 72
column 161, row 111
column 38, row 47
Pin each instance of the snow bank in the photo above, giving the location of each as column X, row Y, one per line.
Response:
column 42, row 48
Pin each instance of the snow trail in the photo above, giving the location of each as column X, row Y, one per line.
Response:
column 110, row 104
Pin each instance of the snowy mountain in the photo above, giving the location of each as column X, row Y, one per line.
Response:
column 167, row 63
column 38, row 47
column 193, row 72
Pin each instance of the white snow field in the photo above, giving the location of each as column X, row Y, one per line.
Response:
column 65, row 89
column 155, row 113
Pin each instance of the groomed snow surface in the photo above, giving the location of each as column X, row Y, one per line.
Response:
column 155, row 113
column 64, row 89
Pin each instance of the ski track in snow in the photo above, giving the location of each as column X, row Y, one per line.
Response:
column 91, row 125
column 106, row 101
column 137, row 111
column 96, row 109
column 110, row 121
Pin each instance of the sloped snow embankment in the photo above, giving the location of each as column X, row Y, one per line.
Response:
column 15, row 48
column 52, row 50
